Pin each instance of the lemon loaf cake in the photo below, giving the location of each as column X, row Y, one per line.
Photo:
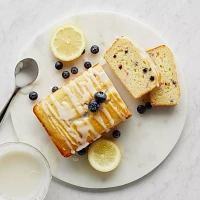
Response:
column 168, row 93
column 133, row 67
column 65, row 115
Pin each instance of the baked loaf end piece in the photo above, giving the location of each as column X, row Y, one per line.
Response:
column 133, row 67
column 65, row 115
column 168, row 93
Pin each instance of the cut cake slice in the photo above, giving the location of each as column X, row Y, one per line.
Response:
column 133, row 67
column 168, row 93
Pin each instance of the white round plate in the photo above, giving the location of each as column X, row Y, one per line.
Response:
column 146, row 140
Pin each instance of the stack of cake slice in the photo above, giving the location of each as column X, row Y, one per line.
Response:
column 142, row 73
column 133, row 66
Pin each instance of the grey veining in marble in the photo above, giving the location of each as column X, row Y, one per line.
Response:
column 178, row 177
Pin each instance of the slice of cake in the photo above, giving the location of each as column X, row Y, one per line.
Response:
column 168, row 93
column 133, row 67
column 65, row 115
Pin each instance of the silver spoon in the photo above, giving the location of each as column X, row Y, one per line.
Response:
column 26, row 72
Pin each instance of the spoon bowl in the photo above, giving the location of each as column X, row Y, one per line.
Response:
column 26, row 73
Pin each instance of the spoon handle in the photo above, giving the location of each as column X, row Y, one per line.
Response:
column 5, row 108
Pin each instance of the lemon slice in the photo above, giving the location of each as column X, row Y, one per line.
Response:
column 104, row 155
column 68, row 42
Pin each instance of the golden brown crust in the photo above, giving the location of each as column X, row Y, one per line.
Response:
column 56, row 142
column 155, row 48
column 154, row 104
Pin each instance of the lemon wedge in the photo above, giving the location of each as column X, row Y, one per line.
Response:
column 104, row 155
column 68, row 42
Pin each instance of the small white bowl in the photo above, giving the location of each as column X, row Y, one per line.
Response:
column 24, row 172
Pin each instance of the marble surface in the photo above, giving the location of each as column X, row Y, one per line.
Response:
column 178, row 177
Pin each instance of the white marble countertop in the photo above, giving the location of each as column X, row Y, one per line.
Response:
column 178, row 177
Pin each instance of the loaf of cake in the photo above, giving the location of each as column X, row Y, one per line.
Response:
column 168, row 93
column 65, row 115
column 133, row 67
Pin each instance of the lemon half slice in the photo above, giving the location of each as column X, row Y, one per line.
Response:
column 104, row 155
column 68, row 42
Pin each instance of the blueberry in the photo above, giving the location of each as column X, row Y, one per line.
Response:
column 58, row 65
column 74, row 70
column 93, row 106
column 65, row 74
column 174, row 82
column 145, row 70
column 152, row 78
column 120, row 67
column 148, row 105
column 141, row 109
column 82, row 152
column 94, row 49
column 100, row 97
column 33, row 96
column 83, row 51
column 55, row 88
column 87, row 64
column 116, row 134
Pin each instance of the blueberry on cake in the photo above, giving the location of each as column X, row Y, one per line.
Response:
column 66, row 117
column 133, row 67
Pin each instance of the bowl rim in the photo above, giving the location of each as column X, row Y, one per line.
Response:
column 42, row 157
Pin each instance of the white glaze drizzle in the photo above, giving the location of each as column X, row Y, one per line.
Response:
column 89, row 84
column 97, row 137
column 85, row 95
column 74, row 100
column 104, row 78
column 91, row 76
column 65, row 112
column 114, row 97
column 91, row 128
column 69, row 130
column 57, row 126
column 84, row 132
column 84, row 129
column 82, row 146
column 50, row 119
column 117, row 111
column 71, row 96
column 102, row 75
column 85, row 92
column 83, row 125
column 99, row 119
column 107, row 114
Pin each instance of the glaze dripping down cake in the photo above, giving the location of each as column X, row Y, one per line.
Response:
column 133, row 67
column 65, row 115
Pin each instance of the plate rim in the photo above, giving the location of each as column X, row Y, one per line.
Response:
column 99, row 12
